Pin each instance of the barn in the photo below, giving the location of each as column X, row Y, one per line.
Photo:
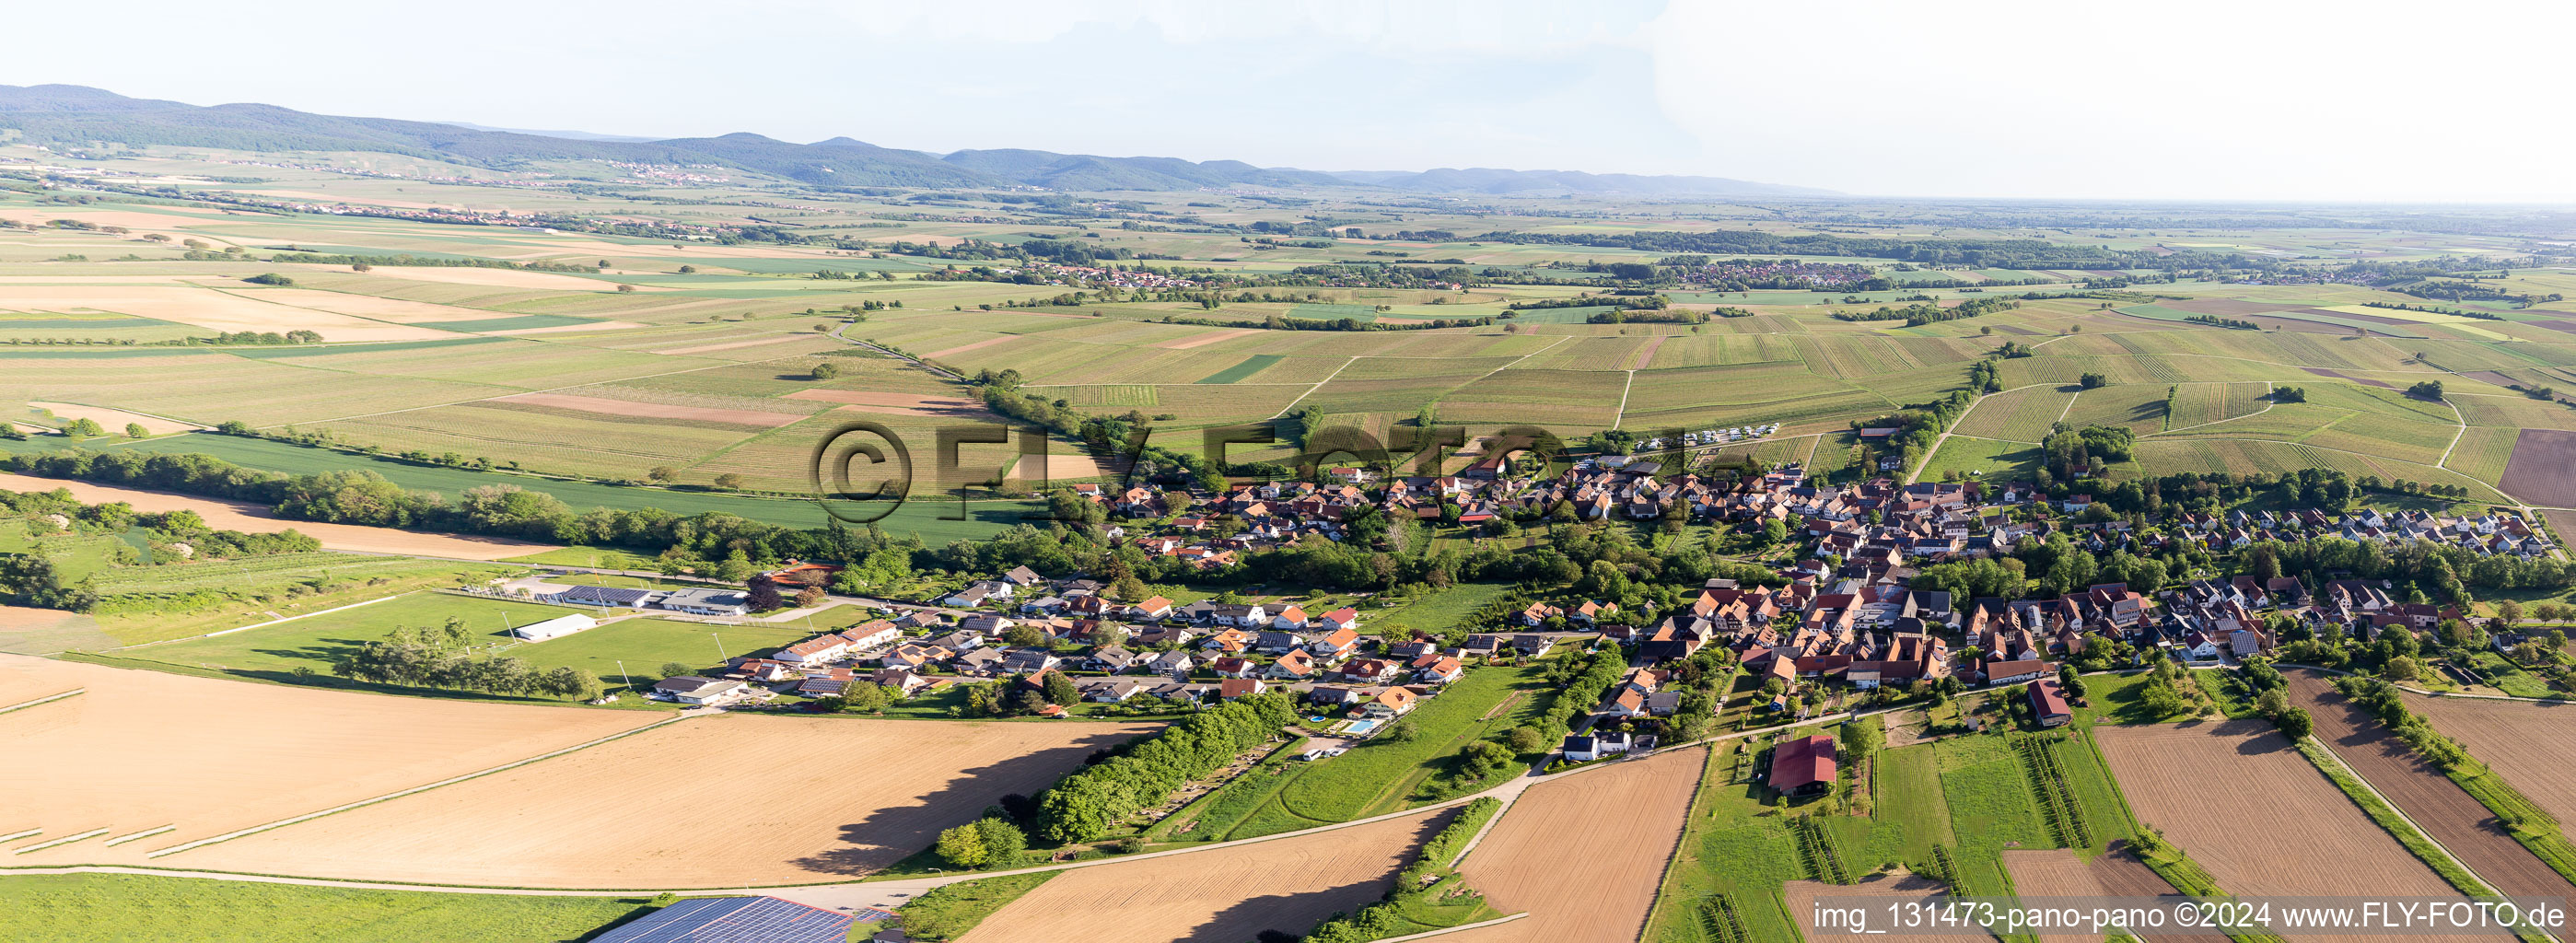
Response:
column 1804, row 766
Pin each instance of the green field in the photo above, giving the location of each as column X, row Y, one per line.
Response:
column 923, row 517
column 1955, row 804
column 1381, row 775
column 120, row 908
column 273, row 653
column 2022, row 415
column 1250, row 365
column 1983, row 459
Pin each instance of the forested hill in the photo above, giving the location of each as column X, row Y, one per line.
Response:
column 81, row 116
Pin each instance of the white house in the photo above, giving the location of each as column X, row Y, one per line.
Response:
column 1583, row 749
column 871, row 634
column 816, row 650
column 691, row 689
column 556, row 627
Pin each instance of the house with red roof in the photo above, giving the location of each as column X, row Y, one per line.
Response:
column 1804, row 766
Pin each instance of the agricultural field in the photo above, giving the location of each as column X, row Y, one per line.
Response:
column 1236, row 893
column 2537, row 470
column 2118, row 873
column 2447, row 814
column 275, row 652
column 2199, row 404
column 800, row 800
column 1621, row 822
column 2022, row 415
column 2525, row 742
column 2166, row 769
column 1379, row 776
column 1982, row 458
column 256, row 753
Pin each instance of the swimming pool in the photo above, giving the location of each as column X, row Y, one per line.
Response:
column 1362, row 727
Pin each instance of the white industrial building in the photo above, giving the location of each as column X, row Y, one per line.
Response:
column 556, row 627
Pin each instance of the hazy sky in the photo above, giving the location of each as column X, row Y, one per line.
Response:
column 2178, row 99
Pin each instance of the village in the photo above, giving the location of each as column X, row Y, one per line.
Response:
column 1844, row 617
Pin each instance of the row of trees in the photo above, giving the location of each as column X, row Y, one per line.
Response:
column 442, row 658
column 1089, row 801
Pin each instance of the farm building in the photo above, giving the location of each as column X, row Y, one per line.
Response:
column 2048, row 704
column 556, row 627
column 713, row 919
column 1804, row 766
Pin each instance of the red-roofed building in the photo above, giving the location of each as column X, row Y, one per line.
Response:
column 2049, row 704
column 1804, row 766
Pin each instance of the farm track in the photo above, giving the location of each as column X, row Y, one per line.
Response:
column 2448, row 815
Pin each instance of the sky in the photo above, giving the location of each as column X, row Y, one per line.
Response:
column 2179, row 100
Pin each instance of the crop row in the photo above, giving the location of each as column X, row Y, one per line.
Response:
column 1817, row 848
column 2056, row 796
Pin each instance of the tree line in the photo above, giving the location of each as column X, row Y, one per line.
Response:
column 1088, row 802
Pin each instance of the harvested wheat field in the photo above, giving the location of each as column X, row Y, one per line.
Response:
column 735, row 345
column 1201, row 340
column 630, row 408
column 253, row 519
column 1881, row 890
column 1228, row 894
column 396, row 310
column 26, row 679
column 964, row 348
column 2527, row 742
column 2061, row 873
column 144, row 749
column 875, row 398
column 2229, row 793
column 2439, row 806
column 718, row 801
column 498, row 278
column 1583, row 854
column 115, row 420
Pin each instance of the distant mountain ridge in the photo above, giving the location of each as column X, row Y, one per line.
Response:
column 79, row 114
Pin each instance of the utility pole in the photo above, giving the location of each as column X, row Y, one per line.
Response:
column 720, row 649
column 622, row 676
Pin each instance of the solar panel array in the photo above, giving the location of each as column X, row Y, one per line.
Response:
column 608, row 595
column 734, row 920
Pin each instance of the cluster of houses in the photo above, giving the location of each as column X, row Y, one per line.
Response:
column 2488, row 534
column 1113, row 651
column 1697, row 438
